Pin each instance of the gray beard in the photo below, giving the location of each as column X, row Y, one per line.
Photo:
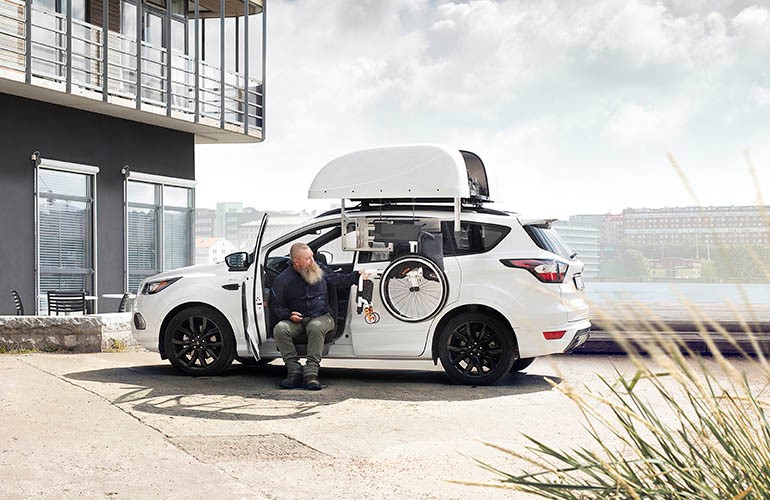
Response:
column 312, row 274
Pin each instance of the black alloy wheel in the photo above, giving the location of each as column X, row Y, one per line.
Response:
column 199, row 341
column 476, row 349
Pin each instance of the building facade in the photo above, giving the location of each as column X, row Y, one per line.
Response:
column 102, row 104
column 698, row 227
column 585, row 240
column 212, row 250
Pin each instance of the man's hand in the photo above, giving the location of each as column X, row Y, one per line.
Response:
column 365, row 275
column 295, row 317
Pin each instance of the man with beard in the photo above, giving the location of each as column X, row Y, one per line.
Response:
column 299, row 302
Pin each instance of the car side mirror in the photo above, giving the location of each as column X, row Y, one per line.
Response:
column 238, row 261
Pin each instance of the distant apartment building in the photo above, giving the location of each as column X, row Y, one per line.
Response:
column 697, row 227
column 224, row 221
column 212, row 250
column 585, row 240
column 610, row 227
column 205, row 222
column 101, row 105
column 278, row 224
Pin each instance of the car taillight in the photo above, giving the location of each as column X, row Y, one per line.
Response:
column 546, row 270
column 556, row 335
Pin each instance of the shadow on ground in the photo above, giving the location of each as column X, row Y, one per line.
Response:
column 251, row 393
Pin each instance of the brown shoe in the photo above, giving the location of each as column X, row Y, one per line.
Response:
column 312, row 383
column 292, row 381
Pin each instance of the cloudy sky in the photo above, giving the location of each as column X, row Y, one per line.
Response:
column 573, row 105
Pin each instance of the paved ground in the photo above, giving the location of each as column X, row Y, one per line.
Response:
column 126, row 425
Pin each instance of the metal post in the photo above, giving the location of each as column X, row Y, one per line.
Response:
column 28, row 49
column 264, row 64
column 222, row 63
column 197, row 62
column 105, row 47
column 69, row 47
column 139, row 26
column 167, row 38
column 245, row 66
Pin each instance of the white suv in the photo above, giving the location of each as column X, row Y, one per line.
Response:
column 482, row 290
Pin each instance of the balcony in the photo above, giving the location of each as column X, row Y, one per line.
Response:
column 156, row 71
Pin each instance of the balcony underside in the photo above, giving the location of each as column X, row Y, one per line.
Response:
column 135, row 74
column 207, row 131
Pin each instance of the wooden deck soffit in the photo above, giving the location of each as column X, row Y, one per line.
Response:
column 233, row 8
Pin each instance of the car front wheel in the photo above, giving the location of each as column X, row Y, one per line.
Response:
column 476, row 349
column 199, row 341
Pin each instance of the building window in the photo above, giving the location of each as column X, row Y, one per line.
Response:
column 65, row 234
column 159, row 225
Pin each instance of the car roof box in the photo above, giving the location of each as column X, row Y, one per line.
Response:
column 423, row 172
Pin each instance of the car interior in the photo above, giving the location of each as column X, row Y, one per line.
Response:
column 338, row 298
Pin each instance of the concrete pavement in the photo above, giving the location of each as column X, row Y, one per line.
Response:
column 126, row 425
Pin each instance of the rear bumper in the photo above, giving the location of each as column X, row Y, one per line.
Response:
column 579, row 339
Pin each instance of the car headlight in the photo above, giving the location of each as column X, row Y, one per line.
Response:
column 152, row 287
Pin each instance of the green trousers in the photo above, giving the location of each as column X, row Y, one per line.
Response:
column 316, row 329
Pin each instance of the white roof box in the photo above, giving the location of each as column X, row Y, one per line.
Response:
column 425, row 172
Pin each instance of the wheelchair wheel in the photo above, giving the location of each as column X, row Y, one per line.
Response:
column 413, row 288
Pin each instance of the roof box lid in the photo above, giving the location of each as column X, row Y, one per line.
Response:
column 426, row 172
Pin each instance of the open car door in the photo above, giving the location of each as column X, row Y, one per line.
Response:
column 254, row 311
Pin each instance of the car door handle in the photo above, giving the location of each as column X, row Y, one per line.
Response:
column 231, row 286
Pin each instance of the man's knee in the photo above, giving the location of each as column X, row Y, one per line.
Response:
column 319, row 327
column 283, row 329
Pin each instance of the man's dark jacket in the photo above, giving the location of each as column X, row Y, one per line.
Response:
column 292, row 293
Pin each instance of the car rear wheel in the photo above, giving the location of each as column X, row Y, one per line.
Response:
column 521, row 364
column 199, row 341
column 476, row 349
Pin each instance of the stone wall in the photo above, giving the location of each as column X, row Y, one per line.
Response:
column 91, row 333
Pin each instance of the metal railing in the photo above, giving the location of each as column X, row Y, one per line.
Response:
column 47, row 64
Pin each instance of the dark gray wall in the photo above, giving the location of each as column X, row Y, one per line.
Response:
column 72, row 135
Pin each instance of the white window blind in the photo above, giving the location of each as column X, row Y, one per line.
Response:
column 159, row 232
column 65, row 228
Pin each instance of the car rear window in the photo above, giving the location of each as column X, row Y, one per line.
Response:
column 548, row 239
column 472, row 238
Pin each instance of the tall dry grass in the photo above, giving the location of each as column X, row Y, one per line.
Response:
column 681, row 426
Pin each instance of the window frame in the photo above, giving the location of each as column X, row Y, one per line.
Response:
column 159, row 182
column 91, row 172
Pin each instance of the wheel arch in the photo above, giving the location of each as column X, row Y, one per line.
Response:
column 173, row 312
column 473, row 308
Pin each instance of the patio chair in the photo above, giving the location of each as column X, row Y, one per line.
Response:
column 61, row 301
column 17, row 303
column 123, row 306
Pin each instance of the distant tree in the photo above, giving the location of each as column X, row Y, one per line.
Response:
column 708, row 270
column 742, row 263
column 635, row 265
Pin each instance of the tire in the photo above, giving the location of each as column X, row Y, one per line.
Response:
column 250, row 361
column 476, row 349
column 521, row 364
column 199, row 342
column 413, row 288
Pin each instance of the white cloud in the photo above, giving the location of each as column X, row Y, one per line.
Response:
column 635, row 126
column 594, row 92
column 761, row 95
